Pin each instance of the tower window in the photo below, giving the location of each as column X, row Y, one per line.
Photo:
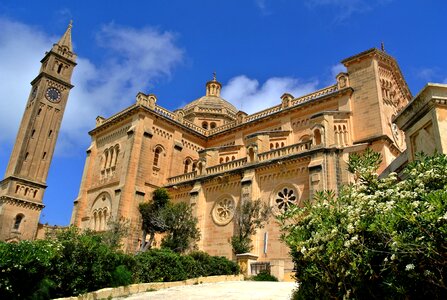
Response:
column 33, row 132
column 205, row 125
column 44, row 155
column 26, row 155
column 213, row 125
column 39, row 111
column 50, row 133
column 59, row 69
column 18, row 221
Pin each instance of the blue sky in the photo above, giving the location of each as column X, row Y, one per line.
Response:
column 259, row 49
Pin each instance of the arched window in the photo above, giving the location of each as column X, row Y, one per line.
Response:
column 282, row 144
column 187, row 163
column 233, row 158
column 227, row 159
column 277, row 145
column 221, row 160
column 194, row 166
column 205, row 125
column 213, row 125
column 157, row 153
column 18, row 221
column 271, row 146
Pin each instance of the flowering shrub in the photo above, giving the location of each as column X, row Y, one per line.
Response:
column 379, row 238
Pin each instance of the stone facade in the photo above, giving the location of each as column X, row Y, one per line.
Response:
column 212, row 156
column 22, row 190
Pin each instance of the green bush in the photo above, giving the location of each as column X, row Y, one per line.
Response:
column 25, row 268
column 158, row 265
column 378, row 239
column 264, row 276
column 213, row 265
column 74, row 262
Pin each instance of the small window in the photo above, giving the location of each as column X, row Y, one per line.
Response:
column 213, row 125
column 26, row 155
column 50, row 133
column 157, row 156
column 33, row 132
column 44, row 155
column 271, row 146
column 221, row 160
column 18, row 221
column 205, row 125
column 39, row 111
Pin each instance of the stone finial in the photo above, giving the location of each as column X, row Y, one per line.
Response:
column 99, row 120
column 342, row 80
column 286, row 100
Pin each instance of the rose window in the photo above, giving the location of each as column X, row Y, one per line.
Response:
column 223, row 211
column 285, row 198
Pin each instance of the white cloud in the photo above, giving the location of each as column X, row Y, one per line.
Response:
column 250, row 96
column 262, row 6
column 133, row 59
column 346, row 8
column 337, row 69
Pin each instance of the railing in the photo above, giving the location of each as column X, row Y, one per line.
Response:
column 222, row 128
column 194, row 127
column 289, row 150
column 314, row 95
column 164, row 112
column 231, row 165
column 183, row 177
column 263, row 113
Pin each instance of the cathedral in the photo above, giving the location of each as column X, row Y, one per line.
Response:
column 213, row 156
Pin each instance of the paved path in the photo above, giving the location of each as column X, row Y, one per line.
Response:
column 232, row 290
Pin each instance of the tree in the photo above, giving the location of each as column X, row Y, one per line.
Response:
column 117, row 230
column 152, row 215
column 250, row 216
column 182, row 232
column 377, row 239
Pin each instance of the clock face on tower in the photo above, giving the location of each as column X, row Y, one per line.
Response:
column 53, row 94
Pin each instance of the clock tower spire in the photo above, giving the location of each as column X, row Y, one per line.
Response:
column 22, row 190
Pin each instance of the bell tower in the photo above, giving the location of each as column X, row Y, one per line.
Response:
column 22, row 190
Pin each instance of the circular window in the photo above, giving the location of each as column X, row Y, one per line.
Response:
column 285, row 198
column 223, row 211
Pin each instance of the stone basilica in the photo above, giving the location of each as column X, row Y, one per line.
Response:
column 212, row 156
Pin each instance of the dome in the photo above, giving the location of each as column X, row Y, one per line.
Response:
column 210, row 102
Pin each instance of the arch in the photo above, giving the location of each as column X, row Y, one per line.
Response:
column 282, row 144
column 194, row 166
column 271, row 146
column 99, row 211
column 277, row 145
column 213, row 125
column 251, row 154
column 205, row 125
column 317, row 136
column 18, row 221
column 117, row 151
column 233, row 158
column 221, row 160
column 188, row 162
column 227, row 159
column 157, row 151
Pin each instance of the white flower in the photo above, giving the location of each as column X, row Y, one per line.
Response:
column 409, row 267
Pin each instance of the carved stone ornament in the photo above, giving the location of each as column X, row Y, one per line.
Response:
column 285, row 198
column 223, row 211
